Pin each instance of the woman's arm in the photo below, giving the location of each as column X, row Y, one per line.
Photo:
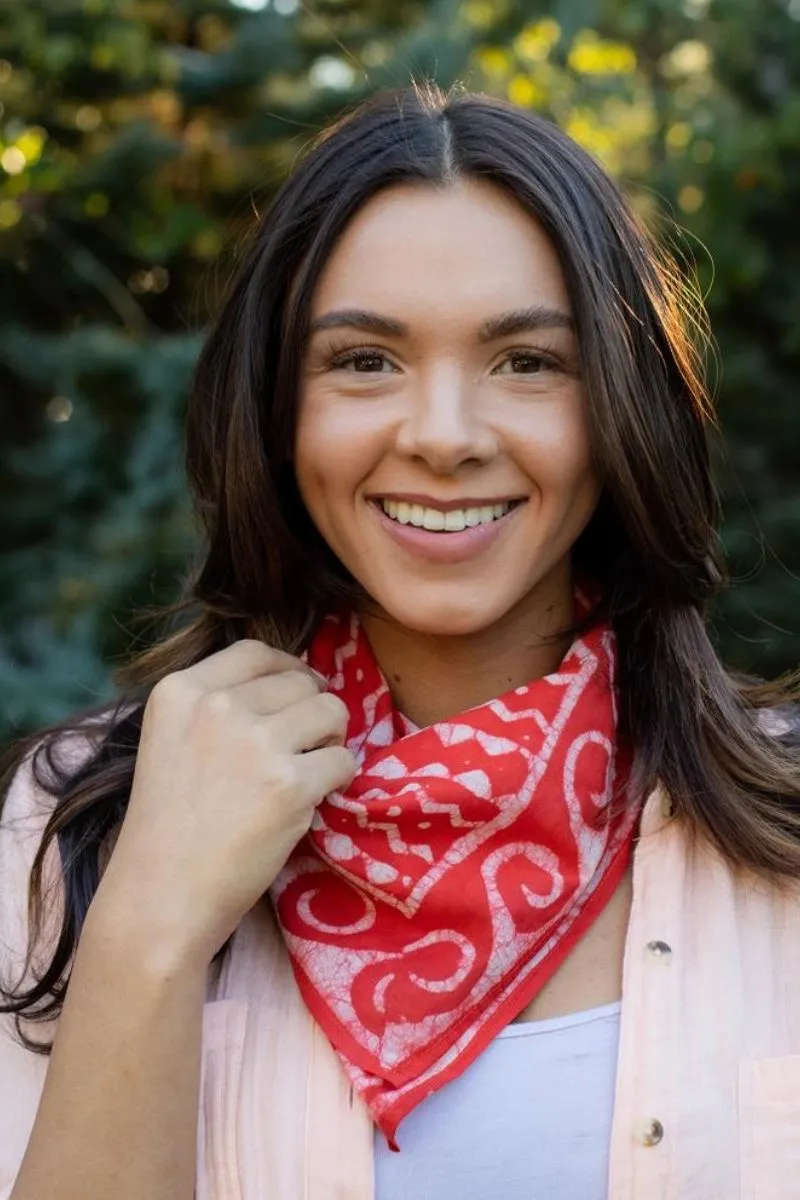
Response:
column 118, row 1115
column 235, row 754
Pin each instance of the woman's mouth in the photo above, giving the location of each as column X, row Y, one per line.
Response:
column 452, row 520
column 446, row 535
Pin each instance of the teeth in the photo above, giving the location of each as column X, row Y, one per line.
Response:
column 437, row 521
column 433, row 519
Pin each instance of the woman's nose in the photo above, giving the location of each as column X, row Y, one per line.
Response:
column 445, row 427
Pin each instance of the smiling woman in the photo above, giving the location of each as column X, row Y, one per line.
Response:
column 442, row 425
column 438, row 826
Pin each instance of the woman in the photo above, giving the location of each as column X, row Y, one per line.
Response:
column 445, row 829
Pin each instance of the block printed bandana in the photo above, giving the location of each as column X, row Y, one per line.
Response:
column 432, row 900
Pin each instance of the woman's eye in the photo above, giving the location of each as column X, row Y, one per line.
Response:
column 363, row 362
column 524, row 363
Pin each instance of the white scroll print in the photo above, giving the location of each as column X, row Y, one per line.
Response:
column 470, row 848
column 449, row 733
column 378, row 810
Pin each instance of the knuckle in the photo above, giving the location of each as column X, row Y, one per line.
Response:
column 172, row 689
column 344, row 763
column 252, row 650
column 215, row 705
column 302, row 683
column 336, row 707
column 284, row 778
column 261, row 654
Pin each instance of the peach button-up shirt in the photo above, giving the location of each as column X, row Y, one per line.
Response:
column 708, row 1080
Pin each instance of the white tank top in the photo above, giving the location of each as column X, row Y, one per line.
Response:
column 530, row 1119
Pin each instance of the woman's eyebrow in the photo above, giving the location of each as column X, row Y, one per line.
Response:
column 520, row 320
column 359, row 318
column 524, row 320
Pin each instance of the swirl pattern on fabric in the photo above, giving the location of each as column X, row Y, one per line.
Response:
column 431, row 901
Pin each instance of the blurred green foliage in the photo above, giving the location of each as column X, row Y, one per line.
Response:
column 138, row 138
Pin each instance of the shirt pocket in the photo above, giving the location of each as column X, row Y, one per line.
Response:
column 218, row 1169
column 769, row 1115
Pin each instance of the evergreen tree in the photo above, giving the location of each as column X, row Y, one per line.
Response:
column 137, row 137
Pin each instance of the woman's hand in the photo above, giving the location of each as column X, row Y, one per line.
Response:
column 235, row 754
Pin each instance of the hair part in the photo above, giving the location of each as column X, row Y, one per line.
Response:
column 652, row 544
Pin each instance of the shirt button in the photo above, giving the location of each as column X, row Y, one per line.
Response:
column 652, row 1133
column 660, row 949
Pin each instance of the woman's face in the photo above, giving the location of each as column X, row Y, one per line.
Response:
column 442, row 449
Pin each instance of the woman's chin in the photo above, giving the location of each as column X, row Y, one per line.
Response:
column 463, row 616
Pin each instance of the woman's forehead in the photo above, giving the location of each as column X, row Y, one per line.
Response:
column 424, row 252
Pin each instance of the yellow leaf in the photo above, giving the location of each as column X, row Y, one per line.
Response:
column 592, row 55
column 10, row 213
column 522, row 91
column 687, row 58
column 103, row 57
column 481, row 14
column 12, row 160
column 31, row 144
column 96, row 204
column 536, row 40
column 690, row 198
column 494, row 60
column 679, row 135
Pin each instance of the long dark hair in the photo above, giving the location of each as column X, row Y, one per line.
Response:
column 652, row 543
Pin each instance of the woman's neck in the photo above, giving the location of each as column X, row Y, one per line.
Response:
column 433, row 677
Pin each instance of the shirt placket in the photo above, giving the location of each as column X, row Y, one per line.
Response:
column 643, row 1150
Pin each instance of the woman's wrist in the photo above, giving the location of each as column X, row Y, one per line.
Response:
column 146, row 941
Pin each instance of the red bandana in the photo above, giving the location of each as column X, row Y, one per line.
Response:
column 431, row 901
